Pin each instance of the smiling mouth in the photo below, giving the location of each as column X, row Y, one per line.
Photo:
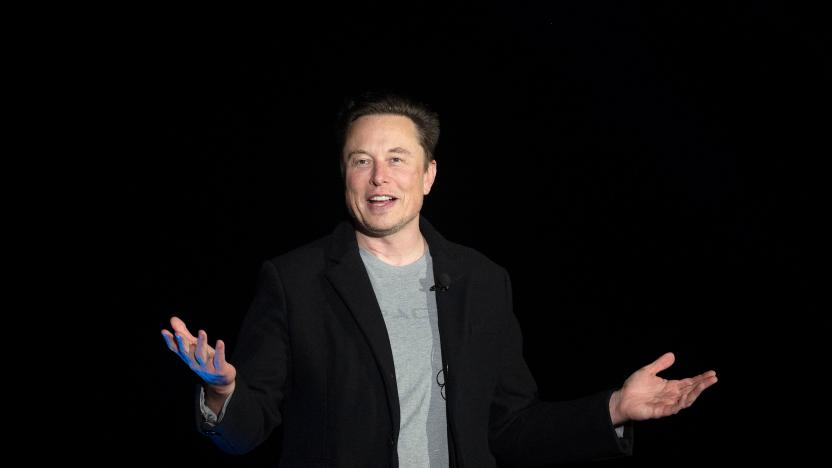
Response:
column 381, row 200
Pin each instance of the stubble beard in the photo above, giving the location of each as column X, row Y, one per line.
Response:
column 374, row 231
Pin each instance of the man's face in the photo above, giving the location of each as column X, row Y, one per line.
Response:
column 385, row 174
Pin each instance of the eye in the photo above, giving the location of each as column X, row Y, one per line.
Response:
column 361, row 162
column 396, row 159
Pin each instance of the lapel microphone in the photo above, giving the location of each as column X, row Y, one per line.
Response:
column 442, row 284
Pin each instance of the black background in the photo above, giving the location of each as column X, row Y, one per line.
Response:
column 650, row 175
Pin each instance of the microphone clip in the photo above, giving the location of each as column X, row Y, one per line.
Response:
column 443, row 282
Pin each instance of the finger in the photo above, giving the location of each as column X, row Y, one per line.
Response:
column 685, row 385
column 681, row 404
column 706, row 375
column 200, row 352
column 180, row 329
column 219, row 356
column 169, row 341
column 662, row 363
column 693, row 395
column 698, row 389
column 209, row 360
column 705, row 383
column 184, row 350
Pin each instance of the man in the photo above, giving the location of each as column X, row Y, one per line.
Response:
column 384, row 344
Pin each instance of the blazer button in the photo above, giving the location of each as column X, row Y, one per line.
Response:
column 392, row 441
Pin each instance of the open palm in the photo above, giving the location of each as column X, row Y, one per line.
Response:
column 645, row 395
column 207, row 362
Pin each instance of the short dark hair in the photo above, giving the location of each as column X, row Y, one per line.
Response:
column 375, row 103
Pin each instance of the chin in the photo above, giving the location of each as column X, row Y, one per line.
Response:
column 381, row 230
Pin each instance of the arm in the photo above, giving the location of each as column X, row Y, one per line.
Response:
column 262, row 357
column 526, row 431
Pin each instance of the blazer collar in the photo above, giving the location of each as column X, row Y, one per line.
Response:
column 344, row 242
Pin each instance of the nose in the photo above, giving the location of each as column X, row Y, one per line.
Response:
column 379, row 175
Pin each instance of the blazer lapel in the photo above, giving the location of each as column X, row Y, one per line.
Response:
column 450, row 304
column 349, row 277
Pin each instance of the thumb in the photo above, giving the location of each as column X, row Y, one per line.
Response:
column 663, row 362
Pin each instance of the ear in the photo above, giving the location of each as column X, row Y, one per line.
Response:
column 429, row 177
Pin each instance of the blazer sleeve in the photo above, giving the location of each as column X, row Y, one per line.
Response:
column 525, row 431
column 262, row 359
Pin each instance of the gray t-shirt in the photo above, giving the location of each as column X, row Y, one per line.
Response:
column 409, row 310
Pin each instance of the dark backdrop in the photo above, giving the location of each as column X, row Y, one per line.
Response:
column 650, row 176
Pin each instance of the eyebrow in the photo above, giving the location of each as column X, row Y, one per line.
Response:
column 397, row 150
column 353, row 153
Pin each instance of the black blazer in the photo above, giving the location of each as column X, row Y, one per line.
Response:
column 313, row 355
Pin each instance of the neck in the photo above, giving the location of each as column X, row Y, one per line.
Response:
column 401, row 248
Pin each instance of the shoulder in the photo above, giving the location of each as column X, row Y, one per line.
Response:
column 304, row 257
column 474, row 260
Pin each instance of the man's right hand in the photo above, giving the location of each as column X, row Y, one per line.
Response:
column 208, row 363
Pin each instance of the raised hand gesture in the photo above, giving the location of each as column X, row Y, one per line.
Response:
column 645, row 395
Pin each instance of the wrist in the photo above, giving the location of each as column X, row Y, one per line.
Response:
column 218, row 390
column 616, row 416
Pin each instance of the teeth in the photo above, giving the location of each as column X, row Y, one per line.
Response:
column 381, row 198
